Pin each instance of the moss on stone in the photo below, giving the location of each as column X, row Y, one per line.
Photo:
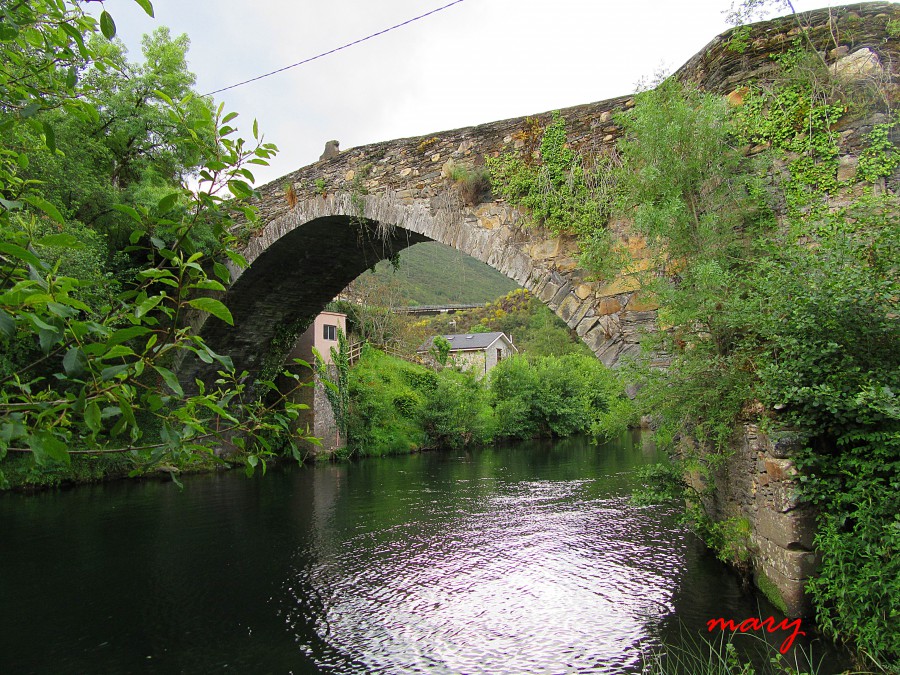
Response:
column 770, row 590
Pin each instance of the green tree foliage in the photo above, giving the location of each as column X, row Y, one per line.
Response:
column 440, row 349
column 555, row 396
column 457, row 411
column 124, row 151
column 90, row 370
column 397, row 406
column 386, row 400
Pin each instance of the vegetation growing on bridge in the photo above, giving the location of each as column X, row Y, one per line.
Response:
column 779, row 286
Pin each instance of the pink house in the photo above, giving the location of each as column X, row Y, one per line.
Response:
column 323, row 335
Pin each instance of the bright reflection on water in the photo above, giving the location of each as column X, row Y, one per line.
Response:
column 522, row 560
column 533, row 577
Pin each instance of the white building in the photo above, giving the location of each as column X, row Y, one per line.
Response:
column 478, row 351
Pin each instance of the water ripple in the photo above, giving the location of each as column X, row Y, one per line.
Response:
column 537, row 577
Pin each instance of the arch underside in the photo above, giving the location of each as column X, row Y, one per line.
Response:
column 288, row 284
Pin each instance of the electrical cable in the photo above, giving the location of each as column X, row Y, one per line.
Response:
column 332, row 51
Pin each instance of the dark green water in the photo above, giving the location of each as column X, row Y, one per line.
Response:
column 527, row 559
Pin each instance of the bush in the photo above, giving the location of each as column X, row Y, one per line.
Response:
column 458, row 412
column 555, row 396
column 385, row 405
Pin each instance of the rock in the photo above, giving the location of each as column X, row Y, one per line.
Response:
column 790, row 531
column 847, row 168
column 447, row 168
column 736, row 98
column 860, row 65
column 839, row 52
column 584, row 291
column 608, row 306
column 785, row 444
column 332, row 149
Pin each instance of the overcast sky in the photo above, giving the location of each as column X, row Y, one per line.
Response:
column 477, row 61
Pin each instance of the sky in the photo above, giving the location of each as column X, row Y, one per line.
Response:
column 477, row 61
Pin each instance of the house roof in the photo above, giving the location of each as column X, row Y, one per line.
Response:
column 467, row 341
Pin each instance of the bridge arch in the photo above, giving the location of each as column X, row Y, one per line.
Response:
column 303, row 258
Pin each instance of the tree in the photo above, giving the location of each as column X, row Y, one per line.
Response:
column 93, row 374
column 125, row 151
column 440, row 349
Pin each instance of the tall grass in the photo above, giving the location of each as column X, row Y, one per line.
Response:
column 698, row 655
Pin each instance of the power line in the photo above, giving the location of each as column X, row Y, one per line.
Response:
column 336, row 49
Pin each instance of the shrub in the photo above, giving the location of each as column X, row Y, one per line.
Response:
column 472, row 182
column 457, row 412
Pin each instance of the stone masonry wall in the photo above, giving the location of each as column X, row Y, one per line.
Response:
column 759, row 483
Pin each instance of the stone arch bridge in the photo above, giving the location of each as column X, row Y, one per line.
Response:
column 326, row 223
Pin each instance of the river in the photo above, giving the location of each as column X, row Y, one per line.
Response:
column 521, row 559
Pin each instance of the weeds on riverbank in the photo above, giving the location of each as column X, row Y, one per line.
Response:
column 696, row 655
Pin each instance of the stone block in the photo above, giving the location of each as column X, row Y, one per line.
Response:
column 610, row 351
column 545, row 250
column 568, row 307
column 583, row 309
column 784, row 444
column 549, row 290
column 860, row 65
column 557, row 299
column 608, row 306
column 596, row 337
column 585, row 325
column 847, row 168
column 791, row 564
column 794, row 531
column 785, row 496
column 623, row 284
column 780, row 469
column 584, row 291
column 640, row 302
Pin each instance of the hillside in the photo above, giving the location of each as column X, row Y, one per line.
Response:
column 433, row 274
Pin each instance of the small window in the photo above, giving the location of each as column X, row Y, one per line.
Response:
column 329, row 332
column 499, row 355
